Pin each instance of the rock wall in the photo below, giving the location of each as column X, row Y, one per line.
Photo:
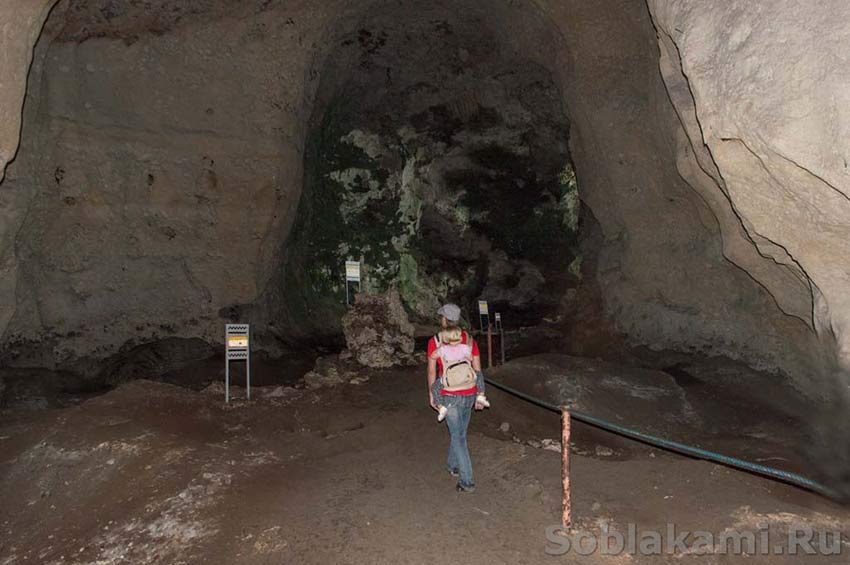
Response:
column 162, row 167
column 152, row 164
column 663, row 276
column 21, row 25
column 762, row 91
column 19, row 30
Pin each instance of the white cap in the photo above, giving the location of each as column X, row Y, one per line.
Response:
column 450, row 312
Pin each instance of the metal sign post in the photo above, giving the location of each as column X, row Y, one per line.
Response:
column 352, row 277
column 484, row 315
column 498, row 319
column 237, row 348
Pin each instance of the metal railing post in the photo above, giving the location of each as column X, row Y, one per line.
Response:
column 566, row 516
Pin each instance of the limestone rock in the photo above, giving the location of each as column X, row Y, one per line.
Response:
column 526, row 283
column 761, row 91
column 330, row 370
column 551, row 445
column 281, row 392
column 378, row 332
column 28, row 389
column 21, row 25
column 153, row 360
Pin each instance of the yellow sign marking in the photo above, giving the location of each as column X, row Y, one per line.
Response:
column 237, row 341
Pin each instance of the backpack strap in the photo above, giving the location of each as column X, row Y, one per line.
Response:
column 443, row 361
column 469, row 344
column 437, row 345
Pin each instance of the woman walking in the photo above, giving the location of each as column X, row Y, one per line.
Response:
column 455, row 400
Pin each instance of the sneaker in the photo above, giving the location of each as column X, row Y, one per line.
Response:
column 461, row 488
column 482, row 400
column 441, row 415
column 453, row 472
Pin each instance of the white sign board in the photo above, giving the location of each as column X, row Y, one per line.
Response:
column 498, row 318
column 237, row 342
column 483, row 309
column 352, row 271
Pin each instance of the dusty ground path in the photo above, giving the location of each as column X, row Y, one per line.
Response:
column 152, row 473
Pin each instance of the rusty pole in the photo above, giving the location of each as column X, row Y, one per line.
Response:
column 566, row 517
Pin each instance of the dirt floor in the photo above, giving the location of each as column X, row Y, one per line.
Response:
column 154, row 473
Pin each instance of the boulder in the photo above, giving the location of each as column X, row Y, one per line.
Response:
column 378, row 332
column 330, row 370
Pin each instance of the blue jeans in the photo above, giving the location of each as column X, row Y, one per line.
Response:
column 457, row 420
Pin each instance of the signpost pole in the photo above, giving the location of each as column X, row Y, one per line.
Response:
column 352, row 275
column 237, row 348
column 489, row 346
column 501, row 330
column 484, row 317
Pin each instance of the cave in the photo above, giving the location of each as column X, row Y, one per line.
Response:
column 442, row 165
column 659, row 222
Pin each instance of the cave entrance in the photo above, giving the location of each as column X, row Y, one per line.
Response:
column 439, row 159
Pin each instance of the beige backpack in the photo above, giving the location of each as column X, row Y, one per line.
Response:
column 457, row 375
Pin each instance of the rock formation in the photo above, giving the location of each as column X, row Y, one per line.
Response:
column 20, row 28
column 329, row 371
column 22, row 23
column 377, row 331
column 758, row 91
